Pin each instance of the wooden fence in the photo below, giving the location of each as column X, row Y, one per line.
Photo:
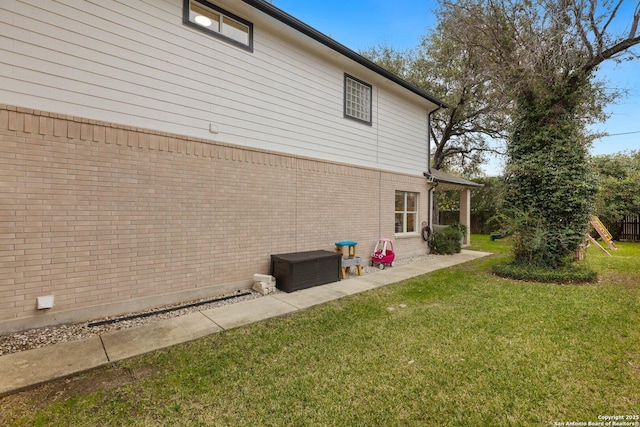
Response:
column 630, row 228
column 451, row 217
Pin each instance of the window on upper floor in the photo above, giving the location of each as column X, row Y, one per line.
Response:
column 357, row 99
column 219, row 23
column 406, row 212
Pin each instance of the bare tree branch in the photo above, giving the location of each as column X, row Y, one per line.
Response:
column 609, row 53
column 577, row 12
column 593, row 25
column 612, row 15
column 634, row 24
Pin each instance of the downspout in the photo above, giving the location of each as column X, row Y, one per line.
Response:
column 428, row 174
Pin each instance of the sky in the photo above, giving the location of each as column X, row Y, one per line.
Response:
column 361, row 24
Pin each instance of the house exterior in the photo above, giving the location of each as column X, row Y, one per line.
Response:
column 446, row 182
column 157, row 152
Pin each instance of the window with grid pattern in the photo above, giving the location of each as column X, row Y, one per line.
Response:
column 357, row 99
column 406, row 220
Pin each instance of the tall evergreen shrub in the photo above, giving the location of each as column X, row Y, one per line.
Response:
column 549, row 184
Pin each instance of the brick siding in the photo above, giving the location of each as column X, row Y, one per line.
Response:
column 100, row 215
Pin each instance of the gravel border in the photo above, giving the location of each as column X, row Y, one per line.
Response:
column 42, row 337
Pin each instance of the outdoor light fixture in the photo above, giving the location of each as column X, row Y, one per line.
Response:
column 203, row 20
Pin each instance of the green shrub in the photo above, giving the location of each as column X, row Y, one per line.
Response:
column 460, row 228
column 574, row 273
column 549, row 181
column 447, row 241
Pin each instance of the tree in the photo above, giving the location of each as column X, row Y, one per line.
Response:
column 618, row 182
column 544, row 54
column 486, row 204
column 479, row 113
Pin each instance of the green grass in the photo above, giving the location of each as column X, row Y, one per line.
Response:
column 482, row 242
column 457, row 347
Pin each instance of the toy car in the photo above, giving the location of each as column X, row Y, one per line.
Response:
column 383, row 254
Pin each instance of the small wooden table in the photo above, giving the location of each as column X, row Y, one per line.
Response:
column 349, row 259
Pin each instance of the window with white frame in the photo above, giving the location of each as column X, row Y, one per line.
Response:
column 406, row 212
column 357, row 99
column 219, row 23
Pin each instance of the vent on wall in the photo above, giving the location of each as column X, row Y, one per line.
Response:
column 45, row 302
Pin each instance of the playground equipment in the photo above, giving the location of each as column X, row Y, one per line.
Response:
column 604, row 234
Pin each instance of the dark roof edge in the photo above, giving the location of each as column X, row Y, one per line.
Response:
column 311, row 32
column 439, row 176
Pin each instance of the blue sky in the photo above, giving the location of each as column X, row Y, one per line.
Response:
column 360, row 24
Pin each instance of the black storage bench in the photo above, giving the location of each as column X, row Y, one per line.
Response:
column 300, row 270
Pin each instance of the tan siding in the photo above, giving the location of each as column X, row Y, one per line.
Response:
column 403, row 133
column 135, row 63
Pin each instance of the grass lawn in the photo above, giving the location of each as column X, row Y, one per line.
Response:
column 457, row 347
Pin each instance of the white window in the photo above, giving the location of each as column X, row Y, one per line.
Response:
column 357, row 99
column 406, row 212
column 219, row 23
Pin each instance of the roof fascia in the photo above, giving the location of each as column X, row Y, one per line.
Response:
column 316, row 35
column 454, row 181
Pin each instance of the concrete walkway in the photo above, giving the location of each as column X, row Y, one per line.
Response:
column 32, row 367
